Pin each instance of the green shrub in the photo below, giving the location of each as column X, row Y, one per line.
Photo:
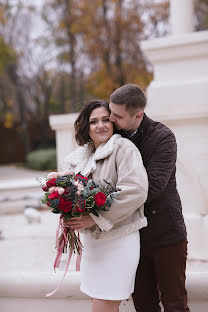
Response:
column 43, row 159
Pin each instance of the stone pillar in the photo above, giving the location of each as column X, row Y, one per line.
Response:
column 65, row 142
column 182, row 16
column 177, row 96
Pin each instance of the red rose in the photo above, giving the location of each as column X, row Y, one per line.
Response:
column 48, row 203
column 100, row 199
column 51, row 183
column 45, row 188
column 80, row 209
column 80, row 177
column 54, row 195
column 65, row 205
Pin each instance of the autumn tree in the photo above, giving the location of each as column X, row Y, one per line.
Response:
column 7, row 56
column 13, row 94
column 61, row 16
column 112, row 34
column 201, row 8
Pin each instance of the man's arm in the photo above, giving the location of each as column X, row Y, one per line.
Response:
column 161, row 165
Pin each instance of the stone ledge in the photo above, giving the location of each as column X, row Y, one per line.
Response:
column 26, row 291
column 18, row 184
column 33, row 285
column 182, row 119
column 175, row 40
column 13, row 207
column 180, row 47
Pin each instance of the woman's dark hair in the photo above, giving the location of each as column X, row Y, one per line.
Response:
column 81, row 124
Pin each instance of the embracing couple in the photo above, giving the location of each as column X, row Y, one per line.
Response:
column 139, row 246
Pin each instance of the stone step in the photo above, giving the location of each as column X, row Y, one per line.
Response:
column 17, row 194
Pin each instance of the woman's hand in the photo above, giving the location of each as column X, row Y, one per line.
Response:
column 55, row 175
column 77, row 223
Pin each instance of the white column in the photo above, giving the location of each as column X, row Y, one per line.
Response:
column 65, row 141
column 181, row 16
column 177, row 96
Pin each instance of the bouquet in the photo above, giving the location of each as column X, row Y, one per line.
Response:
column 73, row 195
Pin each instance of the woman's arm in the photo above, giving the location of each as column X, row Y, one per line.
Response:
column 132, row 188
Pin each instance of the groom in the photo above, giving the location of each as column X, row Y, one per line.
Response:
column 161, row 271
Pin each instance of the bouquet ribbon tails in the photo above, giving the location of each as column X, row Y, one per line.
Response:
column 71, row 196
column 60, row 244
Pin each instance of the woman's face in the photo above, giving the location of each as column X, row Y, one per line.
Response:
column 100, row 126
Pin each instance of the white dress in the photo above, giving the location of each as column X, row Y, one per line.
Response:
column 108, row 266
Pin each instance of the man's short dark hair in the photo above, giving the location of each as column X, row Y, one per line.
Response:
column 81, row 124
column 131, row 95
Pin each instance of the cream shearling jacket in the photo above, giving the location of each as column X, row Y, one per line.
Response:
column 119, row 162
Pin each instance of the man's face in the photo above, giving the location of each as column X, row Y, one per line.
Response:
column 122, row 119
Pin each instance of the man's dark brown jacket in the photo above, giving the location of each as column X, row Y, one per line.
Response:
column 163, row 210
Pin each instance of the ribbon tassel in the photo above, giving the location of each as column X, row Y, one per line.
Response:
column 67, row 236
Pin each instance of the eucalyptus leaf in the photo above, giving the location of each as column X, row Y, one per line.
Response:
column 43, row 201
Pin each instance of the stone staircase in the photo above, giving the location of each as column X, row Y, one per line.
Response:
column 20, row 188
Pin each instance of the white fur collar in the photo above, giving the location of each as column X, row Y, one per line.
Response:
column 80, row 157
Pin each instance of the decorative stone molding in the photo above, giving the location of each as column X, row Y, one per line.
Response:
column 174, row 47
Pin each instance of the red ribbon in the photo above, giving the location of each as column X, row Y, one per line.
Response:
column 60, row 244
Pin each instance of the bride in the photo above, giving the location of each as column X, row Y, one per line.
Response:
column 111, row 241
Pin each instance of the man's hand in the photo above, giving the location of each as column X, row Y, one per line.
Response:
column 83, row 222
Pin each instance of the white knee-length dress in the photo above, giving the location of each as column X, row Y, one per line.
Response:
column 108, row 266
